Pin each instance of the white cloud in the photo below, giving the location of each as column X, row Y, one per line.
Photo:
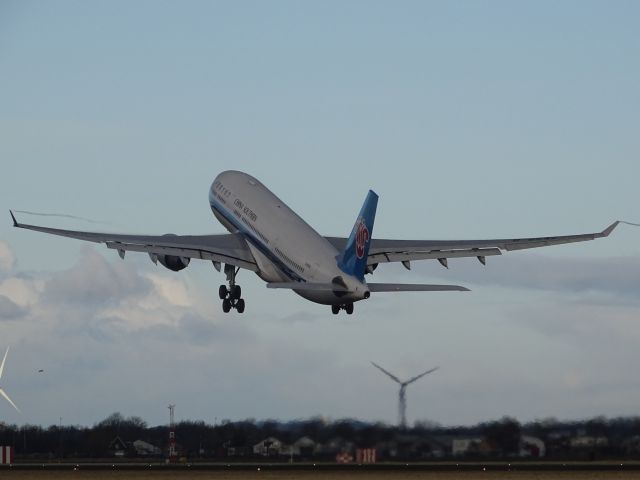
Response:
column 601, row 279
column 7, row 259
column 10, row 310
column 128, row 336
column 116, row 335
column 171, row 289
column 23, row 290
column 94, row 281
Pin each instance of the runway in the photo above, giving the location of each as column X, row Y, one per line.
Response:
column 431, row 470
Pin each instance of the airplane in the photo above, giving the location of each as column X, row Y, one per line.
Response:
column 268, row 238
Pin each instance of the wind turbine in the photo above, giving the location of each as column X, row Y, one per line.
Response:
column 402, row 394
column 1, row 390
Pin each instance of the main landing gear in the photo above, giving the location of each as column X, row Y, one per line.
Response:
column 231, row 297
column 335, row 309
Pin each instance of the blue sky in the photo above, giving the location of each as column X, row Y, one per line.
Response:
column 470, row 120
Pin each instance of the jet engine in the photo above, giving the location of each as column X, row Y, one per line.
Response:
column 173, row 262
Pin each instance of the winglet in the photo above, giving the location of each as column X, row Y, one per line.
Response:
column 609, row 229
column 15, row 222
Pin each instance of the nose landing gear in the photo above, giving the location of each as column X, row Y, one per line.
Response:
column 335, row 309
column 231, row 297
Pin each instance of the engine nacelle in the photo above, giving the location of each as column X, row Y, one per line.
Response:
column 173, row 262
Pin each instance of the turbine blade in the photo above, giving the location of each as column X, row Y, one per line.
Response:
column 9, row 400
column 3, row 360
column 392, row 376
column 411, row 380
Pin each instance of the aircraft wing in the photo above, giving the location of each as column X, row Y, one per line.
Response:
column 226, row 248
column 383, row 251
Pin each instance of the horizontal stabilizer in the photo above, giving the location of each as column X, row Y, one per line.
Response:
column 413, row 287
column 323, row 287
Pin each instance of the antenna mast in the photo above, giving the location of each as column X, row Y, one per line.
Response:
column 173, row 453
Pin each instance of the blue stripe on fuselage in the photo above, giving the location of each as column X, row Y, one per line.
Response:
column 256, row 241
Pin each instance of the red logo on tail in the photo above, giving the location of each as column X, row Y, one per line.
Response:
column 362, row 237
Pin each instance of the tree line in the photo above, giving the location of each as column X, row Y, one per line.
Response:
column 197, row 439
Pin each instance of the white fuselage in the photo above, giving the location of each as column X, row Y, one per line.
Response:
column 285, row 247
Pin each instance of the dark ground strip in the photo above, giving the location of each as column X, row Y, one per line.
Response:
column 331, row 467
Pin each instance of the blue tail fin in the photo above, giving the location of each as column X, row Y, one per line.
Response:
column 353, row 260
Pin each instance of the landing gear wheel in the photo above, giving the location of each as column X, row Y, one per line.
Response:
column 231, row 296
column 236, row 292
column 240, row 305
column 223, row 292
column 335, row 309
column 226, row 305
column 349, row 308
